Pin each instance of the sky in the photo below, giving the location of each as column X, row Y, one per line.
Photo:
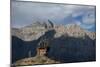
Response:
column 25, row 13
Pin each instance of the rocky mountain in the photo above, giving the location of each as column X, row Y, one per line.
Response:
column 35, row 30
column 74, row 30
column 69, row 43
column 32, row 31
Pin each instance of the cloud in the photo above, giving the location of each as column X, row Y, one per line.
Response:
column 89, row 18
column 87, row 26
column 24, row 13
column 28, row 12
column 85, row 17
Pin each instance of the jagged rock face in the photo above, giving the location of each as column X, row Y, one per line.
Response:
column 35, row 30
column 31, row 32
column 73, row 30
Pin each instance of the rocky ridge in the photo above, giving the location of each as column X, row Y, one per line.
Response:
column 35, row 30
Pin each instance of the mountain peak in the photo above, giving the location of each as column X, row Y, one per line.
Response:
column 36, row 30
